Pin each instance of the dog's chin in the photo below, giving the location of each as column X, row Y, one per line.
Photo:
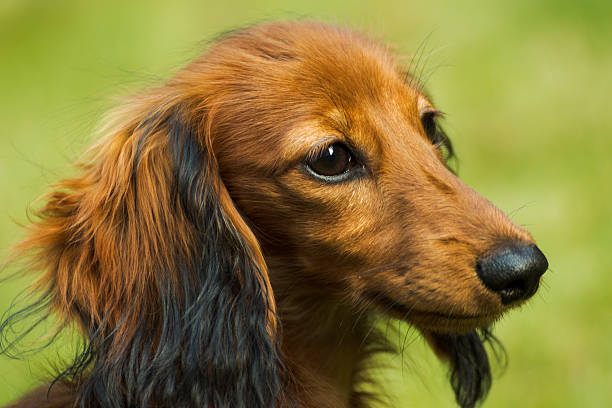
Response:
column 449, row 323
column 436, row 322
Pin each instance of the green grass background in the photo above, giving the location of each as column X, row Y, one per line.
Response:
column 527, row 87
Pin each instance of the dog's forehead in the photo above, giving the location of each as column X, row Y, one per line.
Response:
column 356, row 90
column 317, row 61
column 307, row 83
column 373, row 119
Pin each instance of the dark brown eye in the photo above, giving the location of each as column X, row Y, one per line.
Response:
column 333, row 160
column 436, row 135
column 428, row 121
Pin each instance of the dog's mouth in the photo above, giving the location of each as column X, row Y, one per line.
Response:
column 430, row 320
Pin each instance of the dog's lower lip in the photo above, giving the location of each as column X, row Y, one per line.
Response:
column 453, row 316
column 390, row 306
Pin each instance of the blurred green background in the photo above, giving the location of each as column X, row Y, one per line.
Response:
column 527, row 86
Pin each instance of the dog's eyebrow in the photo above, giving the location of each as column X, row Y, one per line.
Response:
column 302, row 138
column 337, row 119
column 424, row 104
column 333, row 124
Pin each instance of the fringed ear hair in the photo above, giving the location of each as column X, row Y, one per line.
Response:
column 147, row 251
column 470, row 371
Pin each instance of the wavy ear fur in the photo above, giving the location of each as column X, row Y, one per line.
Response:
column 147, row 252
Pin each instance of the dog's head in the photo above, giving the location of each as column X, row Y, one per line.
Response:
column 333, row 153
column 299, row 148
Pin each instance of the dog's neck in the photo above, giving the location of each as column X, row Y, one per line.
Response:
column 326, row 347
column 322, row 356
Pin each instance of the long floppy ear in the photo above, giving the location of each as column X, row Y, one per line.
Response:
column 470, row 371
column 147, row 251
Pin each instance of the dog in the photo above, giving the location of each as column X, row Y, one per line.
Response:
column 235, row 234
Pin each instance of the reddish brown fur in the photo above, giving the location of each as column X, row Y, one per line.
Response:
column 260, row 101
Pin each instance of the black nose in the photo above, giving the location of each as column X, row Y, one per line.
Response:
column 513, row 271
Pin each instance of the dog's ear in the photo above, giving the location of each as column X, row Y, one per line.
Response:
column 147, row 251
column 470, row 371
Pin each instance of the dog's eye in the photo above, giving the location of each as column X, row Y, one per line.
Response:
column 428, row 121
column 436, row 135
column 332, row 160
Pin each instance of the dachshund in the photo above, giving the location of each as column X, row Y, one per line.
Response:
column 235, row 235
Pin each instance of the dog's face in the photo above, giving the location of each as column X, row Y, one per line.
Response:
column 335, row 157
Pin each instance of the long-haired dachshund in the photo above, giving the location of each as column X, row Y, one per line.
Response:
column 232, row 239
